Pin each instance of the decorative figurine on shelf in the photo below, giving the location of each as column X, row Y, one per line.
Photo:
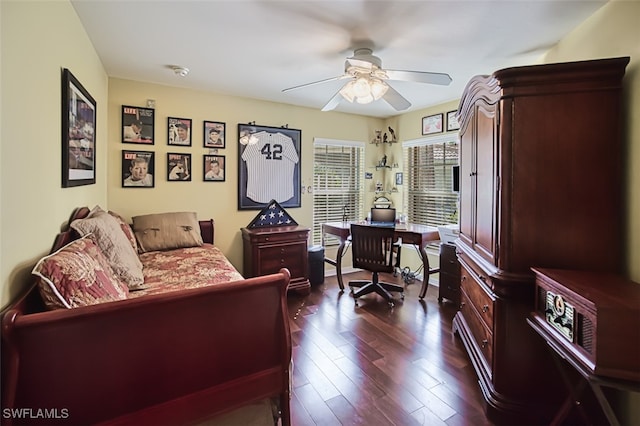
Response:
column 383, row 161
column 378, row 186
column 384, row 138
column 393, row 134
column 378, row 136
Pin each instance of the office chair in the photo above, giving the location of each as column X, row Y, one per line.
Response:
column 372, row 250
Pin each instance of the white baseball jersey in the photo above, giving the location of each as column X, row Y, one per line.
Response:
column 270, row 166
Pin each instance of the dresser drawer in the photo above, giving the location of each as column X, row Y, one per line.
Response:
column 482, row 301
column 290, row 256
column 481, row 333
column 279, row 237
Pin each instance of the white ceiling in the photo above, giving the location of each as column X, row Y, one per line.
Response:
column 256, row 48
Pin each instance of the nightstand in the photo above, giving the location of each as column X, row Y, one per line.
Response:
column 266, row 250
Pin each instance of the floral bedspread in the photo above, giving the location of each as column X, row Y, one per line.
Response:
column 184, row 268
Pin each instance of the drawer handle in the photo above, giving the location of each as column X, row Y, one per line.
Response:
column 281, row 250
column 485, row 342
column 464, row 277
column 462, row 305
column 482, row 278
column 485, row 308
column 266, row 239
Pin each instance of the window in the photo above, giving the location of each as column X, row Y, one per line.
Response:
column 337, row 183
column 428, row 188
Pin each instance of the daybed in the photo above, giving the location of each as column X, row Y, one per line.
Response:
column 179, row 356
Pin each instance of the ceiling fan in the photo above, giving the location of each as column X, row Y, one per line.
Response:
column 368, row 81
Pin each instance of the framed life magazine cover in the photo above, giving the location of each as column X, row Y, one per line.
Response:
column 268, row 166
column 78, row 133
column 138, row 169
column 137, row 125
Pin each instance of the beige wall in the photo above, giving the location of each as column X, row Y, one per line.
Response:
column 217, row 200
column 39, row 39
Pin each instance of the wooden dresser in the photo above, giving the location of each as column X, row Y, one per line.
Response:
column 541, row 184
column 266, row 250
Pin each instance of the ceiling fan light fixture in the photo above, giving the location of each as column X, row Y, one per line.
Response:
column 362, row 87
column 347, row 91
column 378, row 88
column 364, row 99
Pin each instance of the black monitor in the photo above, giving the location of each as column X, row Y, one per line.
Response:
column 455, row 178
column 387, row 215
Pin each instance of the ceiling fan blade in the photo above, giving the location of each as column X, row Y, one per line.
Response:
column 333, row 102
column 420, row 77
column 396, row 100
column 340, row 77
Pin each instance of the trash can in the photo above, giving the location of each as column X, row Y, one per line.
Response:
column 316, row 265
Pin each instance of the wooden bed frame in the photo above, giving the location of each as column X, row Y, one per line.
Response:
column 174, row 358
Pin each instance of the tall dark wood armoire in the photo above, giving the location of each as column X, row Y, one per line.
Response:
column 542, row 184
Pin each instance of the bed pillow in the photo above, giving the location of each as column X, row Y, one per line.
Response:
column 166, row 231
column 77, row 275
column 106, row 232
column 126, row 229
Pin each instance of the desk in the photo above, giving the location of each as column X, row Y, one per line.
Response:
column 411, row 233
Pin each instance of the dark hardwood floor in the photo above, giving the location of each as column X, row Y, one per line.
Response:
column 375, row 365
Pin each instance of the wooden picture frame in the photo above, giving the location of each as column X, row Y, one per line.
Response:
column 452, row 121
column 214, row 168
column 138, row 169
column 179, row 167
column 138, row 125
column 78, row 133
column 432, row 124
column 214, row 134
column 268, row 166
column 179, row 131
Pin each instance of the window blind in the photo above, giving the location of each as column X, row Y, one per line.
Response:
column 337, row 184
column 428, row 188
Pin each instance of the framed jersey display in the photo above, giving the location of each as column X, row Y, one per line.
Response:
column 268, row 166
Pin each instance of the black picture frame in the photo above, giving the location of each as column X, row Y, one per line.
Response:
column 78, row 133
column 209, row 172
column 138, row 125
column 219, row 131
column 133, row 174
column 432, row 124
column 399, row 178
column 179, row 167
column 452, row 121
column 268, row 166
column 176, row 128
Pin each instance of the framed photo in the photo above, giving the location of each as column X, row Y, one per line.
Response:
column 137, row 125
column 178, row 167
column 432, row 124
column 399, row 178
column 137, row 169
column 452, row 121
column 179, row 131
column 78, row 133
column 214, row 168
column 268, row 166
column 214, row 133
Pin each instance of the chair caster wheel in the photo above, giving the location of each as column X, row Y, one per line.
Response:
column 402, row 296
column 391, row 305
